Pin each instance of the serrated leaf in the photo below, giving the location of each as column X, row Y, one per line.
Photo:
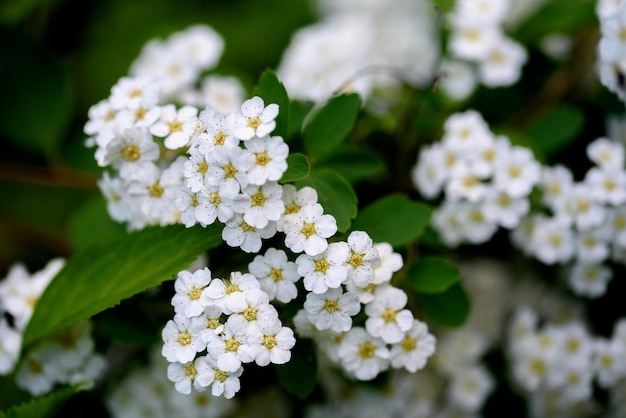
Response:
column 449, row 309
column 36, row 99
column 330, row 125
column 299, row 375
column 395, row 219
column 335, row 194
column 99, row 277
column 557, row 128
column 41, row 406
column 356, row 165
column 271, row 90
column 91, row 224
column 297, row 168
column 432, row 275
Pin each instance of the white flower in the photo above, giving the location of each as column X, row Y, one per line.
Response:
column 230, row 349
column 188, row 287
column 592, row 246
column 260, row 204
column 10, row 346
column 224, row 383
column 606, row 153
column 502, row 66
column 179, row 343
column 608, row 361
column 505, row 210
column 429, row 173
column 386, row 317
column 195, row 168
column 466, row 133
column 224, row 166
column 607, row 186
column 294, row 200
column 135, row 92
column 467, row 183
column 516, row 172
column 184, row 375
column 218, row 131
column 474, row 41
column 256, row 119
column 458, row 79
column 363, row 259
column 333, row 309
column 175, row 125
column 390, row 262
column 132, row 152
column 276, row 274
column 552, row 241
column 215, row 202
column 230, row 295
column 362, row 355
column 264, row 159
column 470, row 387
column 308, row 229
column 35, row 373
column 256, row 310
column 238, row 233
column 208, row 324
column 589, row 280
column 326, row 270
column 223, row 93
column 271, row 342
column 414, row 349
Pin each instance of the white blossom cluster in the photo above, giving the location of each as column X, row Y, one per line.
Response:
column 612, row 46
column 557, row 365
column 360, row 46
column 479, row 50
column 486, row 181
column 486, row 184
column 585, row 226
column 66, row 357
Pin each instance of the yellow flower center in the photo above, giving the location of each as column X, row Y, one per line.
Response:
column 155, row 190
column 220, row 138
column 321, row 265
column 221, row 376
column 131, row 153
column 262, row 158
column 409, row 344
column 232, row 344
column 175, row 126
column 254, row 122
column 367, row 350
column 291, row 208
column 355, row 260
column 191, row 372
column 331, row 306
column 269, row 341
column 203, row 167
column 249, row 313
column 276, row 275
column 230, row 171
column 389, row 315
column 184, row 338
column 308, row 229
column 258, row 199
column 195, row 293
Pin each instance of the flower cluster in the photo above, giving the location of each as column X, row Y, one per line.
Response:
column 477, row 37
column 485, row 179
column 360, row 46
column 612, row 45
column 65, row 357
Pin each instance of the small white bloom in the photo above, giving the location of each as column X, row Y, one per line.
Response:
column 175, row 125
column 179, row 343
column 188, row 287
column 264, row 159
column 333, row 309
column 260, row 204
column 387, row 317
column 362, row 355
column 326, row 270
column 184, row 375
column 256, row 119
column 308, row 229
column 271, row 342
column 414, row 349
column 238, row 233
column 276, row 274
column 363, row 259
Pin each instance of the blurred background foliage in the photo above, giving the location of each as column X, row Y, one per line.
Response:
column 59, row 57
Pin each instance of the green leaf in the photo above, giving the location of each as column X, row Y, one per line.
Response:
column 432, row 275
column 557, row 128
column 449, row 309
column 298, row 113
column 92, row 224
column 41, row 406
column 297, row 168
column 271, row 90
column 99, row 277
column 299, row 375
column 557, row 16
column 395, row 219
column 36, row 99
column 331, row 124
column 356, row 165
column 335, row 194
